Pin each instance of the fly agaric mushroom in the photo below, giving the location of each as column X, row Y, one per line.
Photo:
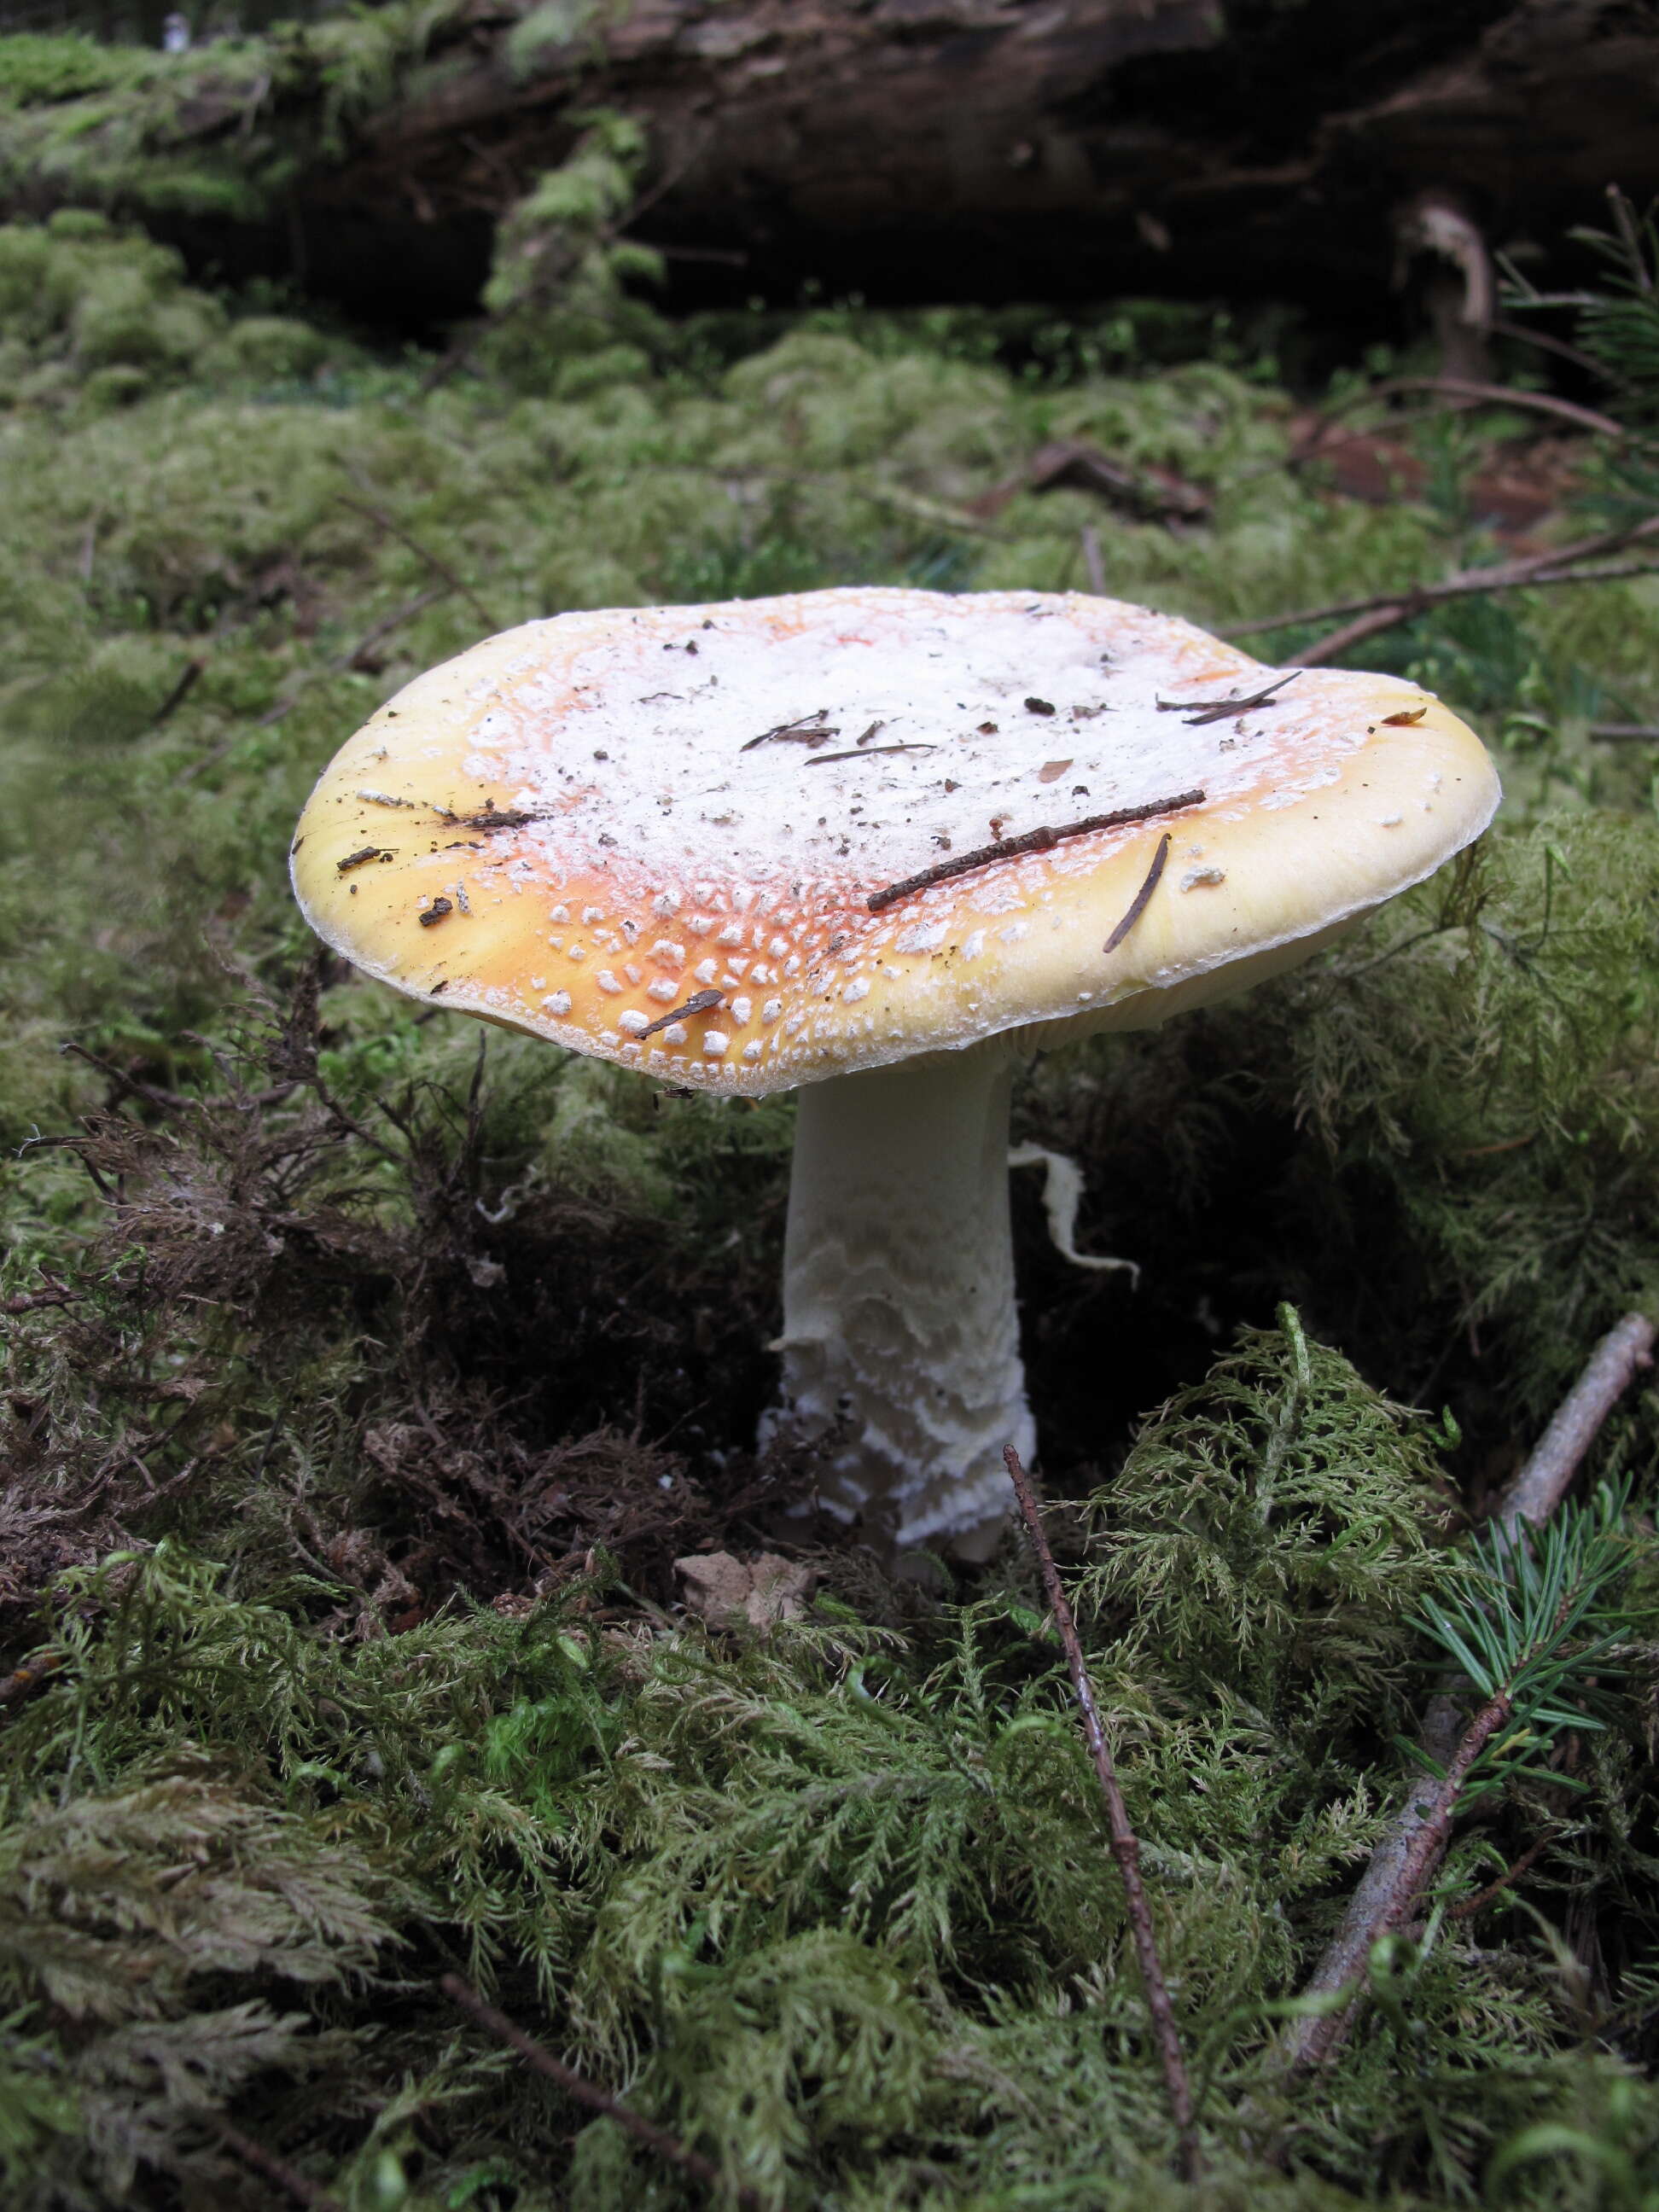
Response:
column 874, row 843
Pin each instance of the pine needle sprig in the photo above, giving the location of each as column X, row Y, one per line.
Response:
column 1619, row 328
column 1529, row 1621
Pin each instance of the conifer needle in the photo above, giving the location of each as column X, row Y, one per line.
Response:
column 1407, row 1854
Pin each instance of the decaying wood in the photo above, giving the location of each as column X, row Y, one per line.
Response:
column 978, row 149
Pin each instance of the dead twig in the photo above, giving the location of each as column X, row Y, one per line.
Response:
column 556, row 266
column 349, row 658
column 438, row 565
column 1625, row 734
column 1472, row 393
column 1483, row 1898
column 1384, row 610
column 55, row 1294
column 823, row 760
column 916, row 504
column 275, row 2170
column 38, row 1668
column 1155, row 494
column 811, row 729
column 1408, row 1853
column 1125, row 1845
column 1142, row 898
column 1316, row 2038
column 180, row 691
column 1502, row 328
column 1216, row 710
column 1542, row 1482
column 701, row 1002
column 1089, row 538
column 1033, row 841
column 379, row 630
column 656, row 2140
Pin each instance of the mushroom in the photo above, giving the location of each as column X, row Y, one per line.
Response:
column 875, row 843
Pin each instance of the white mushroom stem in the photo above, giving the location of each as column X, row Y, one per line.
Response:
column 901, row 1342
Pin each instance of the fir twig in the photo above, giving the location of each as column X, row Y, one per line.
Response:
column 1125, row 1845
column 537, row 2056
column 1406, row 1855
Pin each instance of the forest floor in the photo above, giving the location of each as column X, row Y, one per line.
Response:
column 361, row 1381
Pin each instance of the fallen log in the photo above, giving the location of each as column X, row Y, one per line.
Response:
column 905, row 149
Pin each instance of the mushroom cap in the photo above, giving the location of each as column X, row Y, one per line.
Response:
column 584, row 824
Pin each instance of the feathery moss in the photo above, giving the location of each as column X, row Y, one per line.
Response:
column 344, row 1491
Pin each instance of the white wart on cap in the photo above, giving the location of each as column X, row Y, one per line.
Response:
column 847, row 839
column 586, row 823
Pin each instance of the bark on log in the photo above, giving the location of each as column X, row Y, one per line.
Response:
column 914, row 149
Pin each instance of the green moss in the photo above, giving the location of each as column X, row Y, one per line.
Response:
column 349, row 1488
column 217, row 130
column 545, row 36
column 37, row 69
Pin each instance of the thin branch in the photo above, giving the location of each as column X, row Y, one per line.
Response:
column 916, row 505
column 1125, row 1845
column 1202, row 711
column 1542, row 1482
column 1501, row 328
column 371, row 637
column 277, row 2170
column 701, row 1002
column 555, row 265
column 1473, row 394
column 1089, row 538
column 1409, row 1852
column 55, row 1294
column 1483, row 1898
column 379, row 630
column 29, row 1674
column 537, row 2056
column 1383, row 610
column 1142, row 898
column 823, row 760
column 1033, row 841
column 439, row 567
column 1625, row 734
column 1315, row 2039
column 180, row 691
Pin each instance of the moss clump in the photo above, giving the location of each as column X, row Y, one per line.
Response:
column 217, row 130
column 359, row 1394
column 92, row 317
column 37, row 69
